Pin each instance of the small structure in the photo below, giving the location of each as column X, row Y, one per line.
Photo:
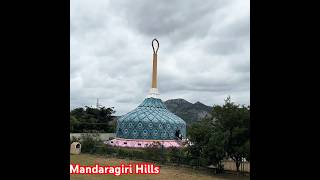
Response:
column 75, row 148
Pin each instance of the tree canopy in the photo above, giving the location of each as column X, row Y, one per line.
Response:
column 91, row 120
column 224, row 135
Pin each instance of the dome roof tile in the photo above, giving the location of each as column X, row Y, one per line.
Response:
column 150, row 120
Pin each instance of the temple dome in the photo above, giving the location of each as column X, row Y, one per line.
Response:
column 150, row 120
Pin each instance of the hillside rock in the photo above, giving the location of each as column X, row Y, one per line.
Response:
column 188, row 111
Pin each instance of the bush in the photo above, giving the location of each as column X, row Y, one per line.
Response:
column 156, row 152
column 140, row 154
column 174, row 155
column 124, row 153
column 109, row 150
column 194, row 162
column 89, row 142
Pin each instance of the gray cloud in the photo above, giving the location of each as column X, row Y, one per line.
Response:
column 204, row 51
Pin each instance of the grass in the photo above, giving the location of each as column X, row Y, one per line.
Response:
column 166, row 172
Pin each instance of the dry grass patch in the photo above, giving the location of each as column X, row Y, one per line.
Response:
column 166, row 172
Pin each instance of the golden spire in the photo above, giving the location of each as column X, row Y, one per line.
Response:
column 154, row 65
column 154, row 87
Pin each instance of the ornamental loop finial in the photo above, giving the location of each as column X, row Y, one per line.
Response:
column 158, row 45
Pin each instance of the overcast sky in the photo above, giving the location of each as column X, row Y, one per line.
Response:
column 204, row 52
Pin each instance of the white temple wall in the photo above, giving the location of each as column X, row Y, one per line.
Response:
column 103, row 136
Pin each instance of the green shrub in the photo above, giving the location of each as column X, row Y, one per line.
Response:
column 155, row 152
column 90, row 142
column 124, row 153
column 140, row 154
column 109, row 150
column 174, row 155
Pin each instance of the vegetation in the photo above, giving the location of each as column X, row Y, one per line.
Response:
column 221, row 136
column 92, row 120
column 224, row 135
column 90, row 142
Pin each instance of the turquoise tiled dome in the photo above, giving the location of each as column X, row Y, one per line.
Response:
column 150, row 120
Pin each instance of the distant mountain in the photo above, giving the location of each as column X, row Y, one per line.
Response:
column 188, row 111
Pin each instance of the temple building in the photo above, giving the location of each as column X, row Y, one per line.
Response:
column 151, row 121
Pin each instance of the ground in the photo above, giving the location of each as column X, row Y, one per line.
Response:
column 166, row 172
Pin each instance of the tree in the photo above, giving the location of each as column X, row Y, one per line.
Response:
column 246, row 149
column 226, row 133
column 234, row 121
column 208, row 144
column 73, row 123
column 90, row 119
column 215, row 149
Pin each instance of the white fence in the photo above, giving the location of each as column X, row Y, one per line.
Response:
column 231, row 165
column 103, row 136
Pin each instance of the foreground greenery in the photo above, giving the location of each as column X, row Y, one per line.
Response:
column 166, row 172
column 224, row 135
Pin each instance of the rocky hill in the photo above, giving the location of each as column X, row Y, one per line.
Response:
column 188, row 111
